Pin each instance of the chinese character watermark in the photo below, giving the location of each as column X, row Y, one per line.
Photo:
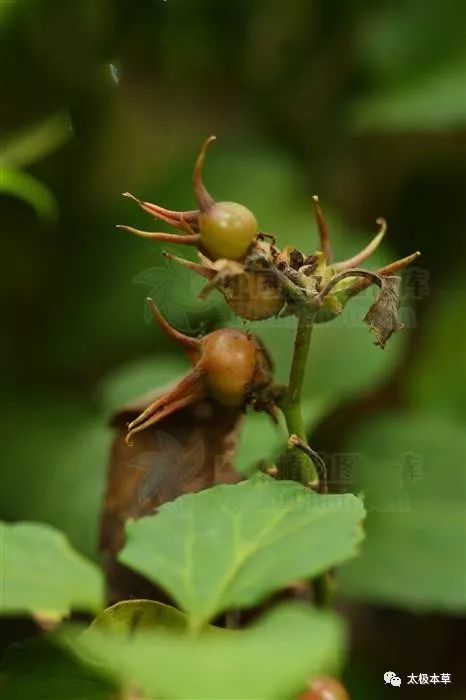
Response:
column 390, row 678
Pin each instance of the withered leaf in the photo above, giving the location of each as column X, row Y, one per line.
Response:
column 382, row 317
column 186, row 452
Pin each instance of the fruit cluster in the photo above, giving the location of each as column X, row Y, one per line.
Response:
column 258, row 281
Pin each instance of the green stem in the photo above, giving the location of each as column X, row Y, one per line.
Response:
column 299, row 467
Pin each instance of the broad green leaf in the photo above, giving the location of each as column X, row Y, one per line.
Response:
column 272, row 659
column 411, row 468
column 42, row 575
column 26, row 187
column 230, row 546
column 41, row 670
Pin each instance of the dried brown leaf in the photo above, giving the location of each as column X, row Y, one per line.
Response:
column 382, row 317
column 190, row 450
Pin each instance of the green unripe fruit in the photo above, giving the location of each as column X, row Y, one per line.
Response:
column 227, row 230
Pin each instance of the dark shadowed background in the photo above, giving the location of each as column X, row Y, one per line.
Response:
column 361, row 102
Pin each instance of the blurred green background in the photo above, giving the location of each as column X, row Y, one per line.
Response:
column 361, row 102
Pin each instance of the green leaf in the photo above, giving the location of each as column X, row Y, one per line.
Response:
column 42, row 575
column 41, row 670
column 255, row 663
column 230, row 546
column 140, row 615
column 411, row 470
column 26, row 187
